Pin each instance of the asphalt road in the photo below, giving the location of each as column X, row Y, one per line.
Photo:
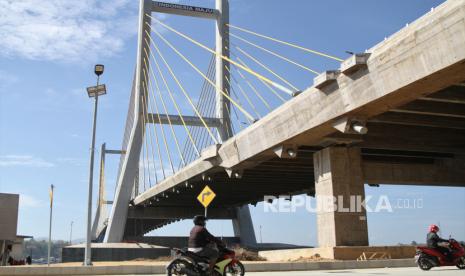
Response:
column 410, row 271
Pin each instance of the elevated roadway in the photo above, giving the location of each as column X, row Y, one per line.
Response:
column 410, row 95
column 408, row 92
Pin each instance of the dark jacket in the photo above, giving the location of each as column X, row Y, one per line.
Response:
column 432, row 240
column 200, row 237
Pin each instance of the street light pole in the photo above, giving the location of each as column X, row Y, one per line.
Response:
column 71, row 234
column 95, row 93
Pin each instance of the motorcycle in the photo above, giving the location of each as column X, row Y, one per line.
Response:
column 426, row 257
column 190, row 264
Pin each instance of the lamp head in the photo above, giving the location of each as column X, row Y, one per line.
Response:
column 99, row 69
column 292, row 153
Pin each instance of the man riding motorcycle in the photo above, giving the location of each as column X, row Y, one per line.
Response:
column 200, row 241
column 433, row 240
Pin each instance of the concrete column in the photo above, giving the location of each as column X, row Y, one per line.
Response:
column 338, row 174
column 222, row 48
column 100, row 213
column 243, row 226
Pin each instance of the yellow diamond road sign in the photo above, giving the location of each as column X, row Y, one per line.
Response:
column 206, row 196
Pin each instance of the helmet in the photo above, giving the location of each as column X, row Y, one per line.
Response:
column 433, row 228
column 200, row 220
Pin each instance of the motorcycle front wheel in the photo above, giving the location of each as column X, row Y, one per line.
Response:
column 424, row 264
column 177, row 267
column 461, row 263
column 234, row 269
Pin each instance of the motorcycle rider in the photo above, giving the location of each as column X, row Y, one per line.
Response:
column 200, row 241
column 433, row 240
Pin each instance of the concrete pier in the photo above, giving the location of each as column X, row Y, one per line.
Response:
column 338, row 175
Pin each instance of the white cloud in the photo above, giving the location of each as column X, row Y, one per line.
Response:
column 24, row 161
column 63, row 30
column 26, row 201
column 71, row 161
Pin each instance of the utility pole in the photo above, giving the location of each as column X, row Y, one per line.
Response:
column 50, row 225
column 71, row 234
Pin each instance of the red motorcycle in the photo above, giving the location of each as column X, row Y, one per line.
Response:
column 190, row 264
column 426, row 257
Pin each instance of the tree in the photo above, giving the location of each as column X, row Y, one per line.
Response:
column 39, row 248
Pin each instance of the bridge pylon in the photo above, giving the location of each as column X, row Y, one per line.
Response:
column 242, row 223
column 129, row 164
column 117, row 228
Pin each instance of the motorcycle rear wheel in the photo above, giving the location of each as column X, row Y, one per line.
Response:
column 177, row 267
column 461, row 263
column 236, row 269
column 424, row 264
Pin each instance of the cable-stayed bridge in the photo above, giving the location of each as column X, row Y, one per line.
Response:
column 394, row 114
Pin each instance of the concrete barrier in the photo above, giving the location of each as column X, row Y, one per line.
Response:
column 144, row 269
column 107, row 252
column 82, row 270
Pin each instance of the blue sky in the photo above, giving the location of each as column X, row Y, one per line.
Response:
column 47, row 53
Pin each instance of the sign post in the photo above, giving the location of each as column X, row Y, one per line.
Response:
column 206, row 197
